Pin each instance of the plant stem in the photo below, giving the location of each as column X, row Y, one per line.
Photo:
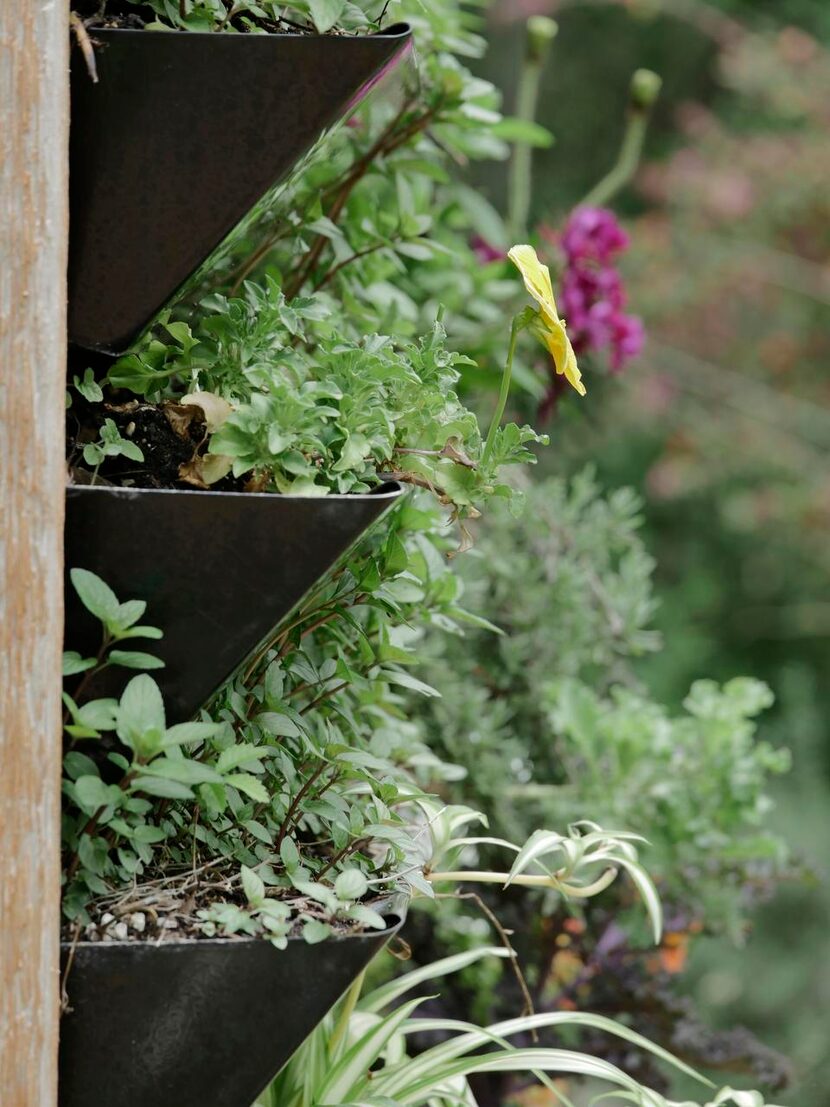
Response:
column 92, row 825
column 520, row 180
column 335, row 269
column 644, row 90
column 324, row 696
column 504, row 936
column 288, row 821
column 626, row 165
column 504, row 391
column 388, row 141
column 345, row 852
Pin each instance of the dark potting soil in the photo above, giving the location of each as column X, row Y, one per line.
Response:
column 171, row 437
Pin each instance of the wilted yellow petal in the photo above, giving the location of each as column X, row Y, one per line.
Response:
column 549, row 328
column 556, row 342
column 536, row 277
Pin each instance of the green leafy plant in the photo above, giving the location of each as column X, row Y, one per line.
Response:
column 360, row 1053
column 550, row 723
column 336, row 417
column 300, row 772
column 279, row 813
column 289, row 332
column 266, row 16
column 694, row 784
column 301, row 357
column 213, row 811
column 110, row 444
column 698, row 781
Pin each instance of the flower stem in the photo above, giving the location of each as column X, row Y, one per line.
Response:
column 520, row 181
column 631, row 149
column 504, row 391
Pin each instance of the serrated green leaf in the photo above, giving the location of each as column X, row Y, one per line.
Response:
column 249, row 786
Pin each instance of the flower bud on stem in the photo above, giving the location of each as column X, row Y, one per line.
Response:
column 643, row 92
column 540, row 31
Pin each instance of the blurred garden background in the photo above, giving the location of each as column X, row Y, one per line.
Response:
column 723, row 423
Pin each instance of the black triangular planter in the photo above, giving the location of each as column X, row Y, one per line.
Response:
column 178, row 140
column 219, row 571
column 203, row 1023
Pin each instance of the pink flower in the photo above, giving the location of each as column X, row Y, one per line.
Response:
column 627, row 340
column 592, row 294
column 593, row 234
column 584, row 285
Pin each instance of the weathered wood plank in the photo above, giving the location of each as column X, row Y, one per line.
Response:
column 33, row 231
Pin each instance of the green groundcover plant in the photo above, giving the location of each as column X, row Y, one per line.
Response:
column 257, row 16
column 300, row 369
column 213, row 826
column 549, row 715
column 293, row 777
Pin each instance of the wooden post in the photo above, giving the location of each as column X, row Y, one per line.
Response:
column 34, row 111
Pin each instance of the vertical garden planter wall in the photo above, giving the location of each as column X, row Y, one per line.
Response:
column 204, row 1023
column 177, row 142
column 180, row 137
column 218, row 570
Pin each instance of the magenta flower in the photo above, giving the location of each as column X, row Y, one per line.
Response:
column 593, row 234
column 583, row 286
column 627, row 340
column 592, row 294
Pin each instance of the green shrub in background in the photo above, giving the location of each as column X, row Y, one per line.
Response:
column 723, row 424
column 550, row 720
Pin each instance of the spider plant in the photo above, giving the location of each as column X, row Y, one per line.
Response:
column 358, row 1056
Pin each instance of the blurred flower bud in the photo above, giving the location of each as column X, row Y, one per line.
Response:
column 541, row 31
column 645, row 88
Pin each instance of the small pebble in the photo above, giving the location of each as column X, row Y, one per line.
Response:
column 138, row 922
column 121, row 932
column 170, row 924
column 106, row 918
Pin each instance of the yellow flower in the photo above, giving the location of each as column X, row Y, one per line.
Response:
column 549, row 329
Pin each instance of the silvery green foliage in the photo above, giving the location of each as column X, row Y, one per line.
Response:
column 697, row 782
column 551, row 723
